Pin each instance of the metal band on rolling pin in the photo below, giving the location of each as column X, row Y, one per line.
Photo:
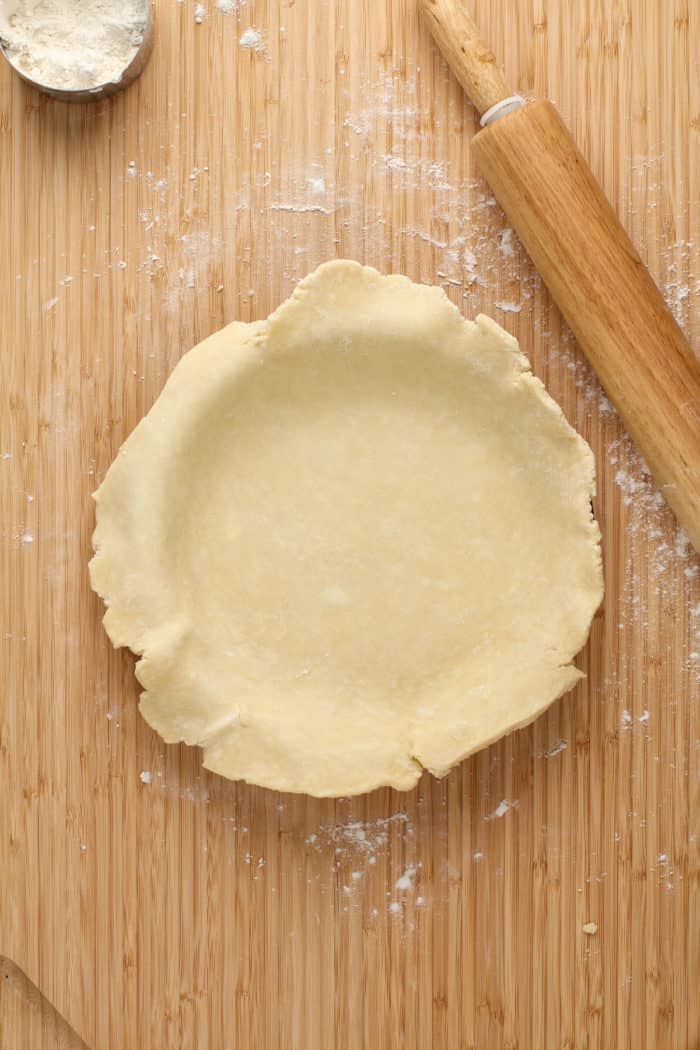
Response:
column 501, row 109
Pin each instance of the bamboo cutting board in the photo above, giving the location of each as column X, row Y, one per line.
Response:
column 148, row 904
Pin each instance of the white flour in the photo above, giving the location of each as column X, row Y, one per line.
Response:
column 252, row 39
column 371, row 838
column 69, row 44
column 502, row 808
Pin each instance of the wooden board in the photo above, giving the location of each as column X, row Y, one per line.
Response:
column 156, row 906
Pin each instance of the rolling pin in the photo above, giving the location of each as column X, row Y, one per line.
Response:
column 594, row 273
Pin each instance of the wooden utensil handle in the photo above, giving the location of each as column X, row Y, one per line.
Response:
column 604, row 291
column 472, row 62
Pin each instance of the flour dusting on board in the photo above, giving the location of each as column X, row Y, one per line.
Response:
column 503, row 807
column 392, row 102
column 405, row 881
column 252, row 40
column 650, row 518
column 555, row 749
column 365, row 838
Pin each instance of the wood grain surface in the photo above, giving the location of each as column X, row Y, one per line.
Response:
column 157, row 906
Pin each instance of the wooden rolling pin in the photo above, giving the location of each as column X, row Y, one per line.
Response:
column 588, row 262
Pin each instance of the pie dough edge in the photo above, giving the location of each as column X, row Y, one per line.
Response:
column 126, row 627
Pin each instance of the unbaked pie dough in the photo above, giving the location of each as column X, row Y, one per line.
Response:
column 349, row 542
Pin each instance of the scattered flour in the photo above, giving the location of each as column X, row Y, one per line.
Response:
column 145, row 776
column 392, row 102
column 252, row 39
column 676, row 279
column 507, row 247
column 302, row 209
column 368, row 838
column 502, row 808
column 413, row 172
column 650, row 519
column 405, row 882
column 199, row 251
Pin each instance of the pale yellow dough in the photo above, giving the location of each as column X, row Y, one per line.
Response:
column 350, row 542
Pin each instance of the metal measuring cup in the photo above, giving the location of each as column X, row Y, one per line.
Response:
column 94, row 94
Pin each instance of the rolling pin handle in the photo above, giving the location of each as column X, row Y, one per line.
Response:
column 472, row 62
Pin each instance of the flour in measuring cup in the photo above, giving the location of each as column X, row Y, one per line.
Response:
column 71, row 44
